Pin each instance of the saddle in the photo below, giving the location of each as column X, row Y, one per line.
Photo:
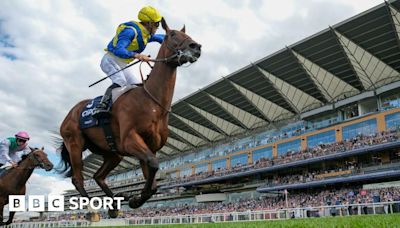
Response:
column 4, row 168
column 86, row 119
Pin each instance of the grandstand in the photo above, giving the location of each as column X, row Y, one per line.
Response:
column 315, row 124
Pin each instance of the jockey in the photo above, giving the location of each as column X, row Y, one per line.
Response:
column 9, row 148
column 128, row 43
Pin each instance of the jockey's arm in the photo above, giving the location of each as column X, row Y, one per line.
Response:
column 4, row 152
column 124, row 39
column 157, row 38
column 15, row 158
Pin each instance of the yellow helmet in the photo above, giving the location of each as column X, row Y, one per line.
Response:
column 149, row 14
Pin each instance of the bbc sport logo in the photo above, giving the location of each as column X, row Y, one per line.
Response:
column 37, row 203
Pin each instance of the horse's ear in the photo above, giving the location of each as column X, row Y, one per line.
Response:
column 42, row 148
column 164, row 24
column 31, row 149
column 183, row 29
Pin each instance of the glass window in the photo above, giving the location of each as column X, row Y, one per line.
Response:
column 188, row 158
column 186, row 172
column 321, row 138
column 263, row 138
column 392, row 121
column 294, row 145
column 173, row 175
column 367, row 128
column 322, row 122
column 163, row 165
column 350, row 112
column 262, row 153
column 201, row 168
column 240, row 159
column 219, row 164
column 392, row 101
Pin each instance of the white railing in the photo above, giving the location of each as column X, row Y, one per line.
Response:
column 280, row 214
column 72, row 223
column 322, row 211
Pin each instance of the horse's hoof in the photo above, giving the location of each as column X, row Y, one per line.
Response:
column 135, row 202
column 113, row 213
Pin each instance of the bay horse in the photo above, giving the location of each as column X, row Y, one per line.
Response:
column 12, row 181
column 139, row 122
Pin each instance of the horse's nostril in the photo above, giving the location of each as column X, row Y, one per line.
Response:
column 195, row 46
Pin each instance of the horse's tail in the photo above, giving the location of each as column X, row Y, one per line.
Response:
column 64, row 167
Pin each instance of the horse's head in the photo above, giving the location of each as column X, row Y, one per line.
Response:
column 39, row 159
column 181, row 48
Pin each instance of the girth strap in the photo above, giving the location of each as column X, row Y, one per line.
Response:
column 105, row 123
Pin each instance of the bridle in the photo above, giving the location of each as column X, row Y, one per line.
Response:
column 177, row 53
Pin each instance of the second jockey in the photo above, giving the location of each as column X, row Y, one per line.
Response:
column 10, row 149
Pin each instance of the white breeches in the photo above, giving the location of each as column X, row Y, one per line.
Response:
column 110, row 64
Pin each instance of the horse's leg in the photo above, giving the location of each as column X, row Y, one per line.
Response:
column 2, row 203
column 10, row 218
column 150, row 186
column 75, row 145
column 146, row 173
column 110, row 162
column 135, row 146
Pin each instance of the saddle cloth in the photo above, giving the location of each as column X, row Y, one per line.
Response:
column 86, row 120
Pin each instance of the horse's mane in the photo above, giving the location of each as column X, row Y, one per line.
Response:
column 23, row 157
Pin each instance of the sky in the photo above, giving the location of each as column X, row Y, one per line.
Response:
column 50, row 52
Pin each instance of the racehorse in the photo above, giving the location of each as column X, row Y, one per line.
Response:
column 139, row 122
column 12, row 181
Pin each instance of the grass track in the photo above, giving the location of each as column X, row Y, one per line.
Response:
column 360, row 221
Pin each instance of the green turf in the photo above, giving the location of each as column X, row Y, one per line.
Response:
column 360, row 221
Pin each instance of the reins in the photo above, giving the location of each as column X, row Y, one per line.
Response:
column 177, row 54
column 147, row 91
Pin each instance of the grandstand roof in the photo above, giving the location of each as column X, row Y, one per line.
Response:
column 354, row 57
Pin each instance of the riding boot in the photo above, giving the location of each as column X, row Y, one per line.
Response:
column 102, row 109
